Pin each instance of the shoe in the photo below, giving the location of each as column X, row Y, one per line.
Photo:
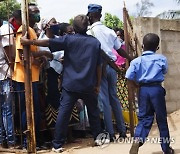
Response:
column 4, row 145
column 170, row 151
column 11, row 146
column 122, row 135
column 134, row 148
column 59, row 150
column 41, row 147
column 99, row 142
column 112, row 138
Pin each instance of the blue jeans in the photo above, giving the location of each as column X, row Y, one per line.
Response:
column 109, row 100
column 67, row 102
column 152, row 101
column 6, row 113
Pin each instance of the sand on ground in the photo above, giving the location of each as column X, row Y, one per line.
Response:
column 85, row 146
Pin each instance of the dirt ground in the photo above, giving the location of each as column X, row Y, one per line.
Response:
column 84, row 146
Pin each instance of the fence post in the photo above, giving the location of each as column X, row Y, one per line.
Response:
column 130, row 88
column 30, row 132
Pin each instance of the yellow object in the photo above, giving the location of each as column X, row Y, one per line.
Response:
column 18, row 67
column 127, row 119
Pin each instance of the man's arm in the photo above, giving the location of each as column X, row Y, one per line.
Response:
column 109, row 61
column 124, row 54
column 43, row 43
column 42, row 53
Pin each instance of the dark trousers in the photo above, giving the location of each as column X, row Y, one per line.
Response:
column 19, row 86
column 152, row 102
column 67, row 102
column 53, row 93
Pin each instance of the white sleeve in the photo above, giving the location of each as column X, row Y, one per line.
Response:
column 7, row 40
column 117, row 44
column 116, row 41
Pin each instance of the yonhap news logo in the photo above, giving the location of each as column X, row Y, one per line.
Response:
column 103, row 140
column 152, row 140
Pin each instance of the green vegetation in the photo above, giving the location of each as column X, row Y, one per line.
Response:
column 112, row 21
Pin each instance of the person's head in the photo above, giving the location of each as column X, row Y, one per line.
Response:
column 120, row 33
column 151, row 42
column 16, row 20
column 34, row 14
column 94, row 13
column 45, row 23
column 49, row 26
column 66, row 28
column 80, row 24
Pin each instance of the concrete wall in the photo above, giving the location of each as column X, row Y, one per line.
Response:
column 169, row 32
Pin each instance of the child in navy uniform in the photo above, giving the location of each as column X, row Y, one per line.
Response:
column 148, row 71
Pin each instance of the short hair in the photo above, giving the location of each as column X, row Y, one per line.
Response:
column 151, row 41
column 80, row 24
column 63, row 28
column 16, row 14
column 32, row 5
column 121, row 31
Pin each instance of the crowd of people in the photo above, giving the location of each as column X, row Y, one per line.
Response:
column 79, row 64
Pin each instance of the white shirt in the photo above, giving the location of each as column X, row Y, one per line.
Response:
column 107, row 38
column 55, row 63
column 3, row 64
column 7, row 40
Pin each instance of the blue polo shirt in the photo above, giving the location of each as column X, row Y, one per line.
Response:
column 81, row 58
column 150, row 67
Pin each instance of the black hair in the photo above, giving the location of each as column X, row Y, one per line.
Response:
column 32, row 4
column 80, row 24
column 151, row 41
column 16, row 14
column 96, row 15
column 121, row 31
column 63, row 28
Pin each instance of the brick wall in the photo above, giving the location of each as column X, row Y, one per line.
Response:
column 169, row 32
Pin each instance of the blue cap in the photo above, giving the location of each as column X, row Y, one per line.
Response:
column 94, row 8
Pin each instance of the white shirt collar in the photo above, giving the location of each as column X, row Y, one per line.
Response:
column 96, row 23
column 148, row 52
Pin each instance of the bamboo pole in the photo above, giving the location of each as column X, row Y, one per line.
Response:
column 130, row 89
column 30, row 132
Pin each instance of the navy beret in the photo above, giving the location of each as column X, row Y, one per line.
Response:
column 94, row 8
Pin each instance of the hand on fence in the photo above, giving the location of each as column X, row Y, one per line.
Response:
column 24, row 40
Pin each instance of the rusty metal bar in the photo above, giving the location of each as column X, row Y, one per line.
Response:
column 31, row 138
column 130, row 89
column 136, row 45
column 11, row 34
column 129, row 20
